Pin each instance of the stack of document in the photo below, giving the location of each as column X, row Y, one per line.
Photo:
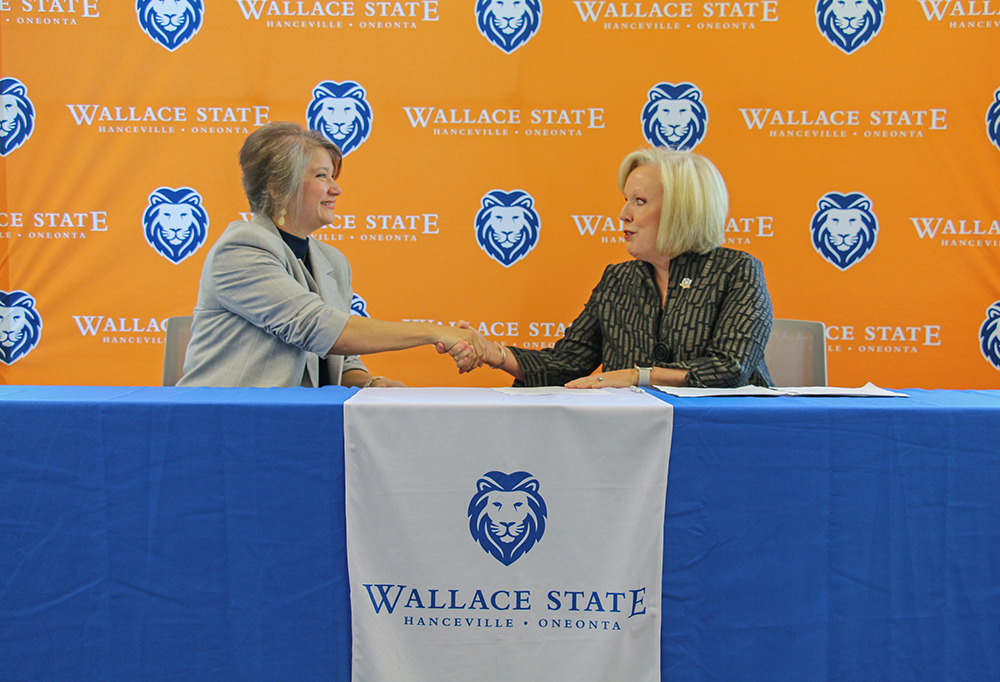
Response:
column 869, row 390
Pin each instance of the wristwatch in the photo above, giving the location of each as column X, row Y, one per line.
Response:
column 644, row 375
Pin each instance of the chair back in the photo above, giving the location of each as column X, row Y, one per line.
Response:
column 796, row 353
column 175, row 347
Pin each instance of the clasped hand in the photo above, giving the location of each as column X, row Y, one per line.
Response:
column 465, row 345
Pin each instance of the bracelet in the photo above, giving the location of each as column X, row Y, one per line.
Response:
column 371, row 380
column 503, row 357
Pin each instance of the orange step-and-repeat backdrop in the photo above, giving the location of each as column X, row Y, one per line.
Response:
column 860, row 142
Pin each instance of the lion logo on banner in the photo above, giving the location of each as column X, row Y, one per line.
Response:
column 508, row 24
column 844, row 229
column 507, row 225
column 674, row 116
column 20, row 326
column 171, row 23
column 175, row 223
column 18, row 121
column 850, row 24
column 989, row 335
column 993, row 120
column 507, row 515
column 359, row 306
column 340, row 112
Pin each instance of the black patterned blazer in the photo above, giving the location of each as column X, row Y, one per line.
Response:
column 715, row 323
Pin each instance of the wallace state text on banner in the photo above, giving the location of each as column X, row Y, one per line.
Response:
column 505, row 535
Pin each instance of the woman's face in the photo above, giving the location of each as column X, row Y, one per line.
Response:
column 319, row 194
column 640, row 217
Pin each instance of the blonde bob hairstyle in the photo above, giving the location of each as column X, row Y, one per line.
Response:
column 695, row 199
column 274, row 160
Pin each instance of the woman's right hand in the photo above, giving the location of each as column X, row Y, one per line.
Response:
column 494, row 355
column 467, row 347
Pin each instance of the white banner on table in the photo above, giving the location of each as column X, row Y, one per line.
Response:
column 493, row 536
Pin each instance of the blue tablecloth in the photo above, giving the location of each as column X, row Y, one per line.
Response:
column 834, row 539
column 198, row 534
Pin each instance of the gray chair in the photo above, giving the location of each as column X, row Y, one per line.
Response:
column 174, row 348
column 796, row 353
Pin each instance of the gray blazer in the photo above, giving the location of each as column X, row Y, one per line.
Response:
column 261, row 318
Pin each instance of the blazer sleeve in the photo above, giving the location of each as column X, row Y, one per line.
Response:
column 254, row 281
column 575, row 355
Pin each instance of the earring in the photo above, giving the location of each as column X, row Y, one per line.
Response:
column 281, row 218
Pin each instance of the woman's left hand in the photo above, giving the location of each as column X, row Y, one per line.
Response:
column 382, row 382
column 622, row 378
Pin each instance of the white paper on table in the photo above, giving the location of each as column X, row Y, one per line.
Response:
column 869, row 390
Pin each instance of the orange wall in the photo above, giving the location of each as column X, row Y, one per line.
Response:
column 792, row 117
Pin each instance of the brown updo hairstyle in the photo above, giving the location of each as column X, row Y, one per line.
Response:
column 274, row 160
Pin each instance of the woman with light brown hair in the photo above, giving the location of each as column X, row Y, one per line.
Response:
column 274, row 305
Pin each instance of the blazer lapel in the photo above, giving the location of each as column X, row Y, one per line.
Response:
column 302, row 276
column 327, row 285
column 312, row 360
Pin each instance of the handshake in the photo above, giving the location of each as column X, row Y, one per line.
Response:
column 470, row 349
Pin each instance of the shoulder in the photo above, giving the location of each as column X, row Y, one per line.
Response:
column 245, row 244
column 737, row 269
column 728, row 260
column 250, row 232
column 621, row 272
column 621, row 281
column 742, row 261
column 241, row 233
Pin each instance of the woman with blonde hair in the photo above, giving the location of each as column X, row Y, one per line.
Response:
column 685, row 312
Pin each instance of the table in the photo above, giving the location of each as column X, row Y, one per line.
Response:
column 198, row 534
column 834, row 539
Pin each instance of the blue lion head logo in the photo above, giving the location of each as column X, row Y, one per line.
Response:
column 850, row 24
column 993, row 120
column 507, row 225
column 507, row 515
column 171, row 23
column 989, row 335
column 18, row 113
column 674, row 116
column 508, row 24
column 341, row 114
column 20, row 326
column 359, row 306
column 175, row 223
column 844, row 229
